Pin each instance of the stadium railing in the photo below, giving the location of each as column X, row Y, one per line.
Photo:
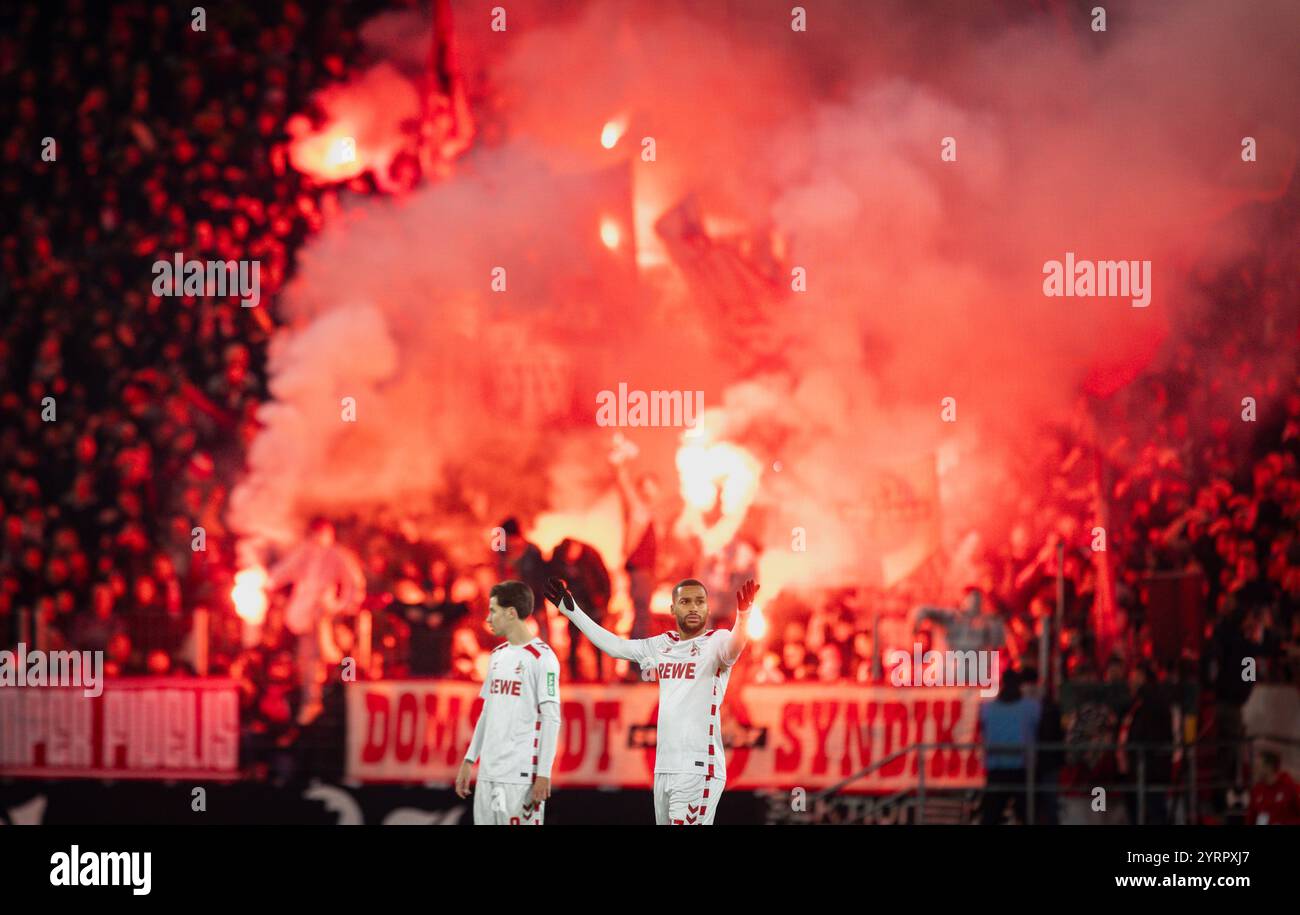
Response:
column 916, row 803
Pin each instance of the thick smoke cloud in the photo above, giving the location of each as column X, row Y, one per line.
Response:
column 924, row 277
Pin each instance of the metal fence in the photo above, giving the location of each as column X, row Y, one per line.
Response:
column 1183, row 797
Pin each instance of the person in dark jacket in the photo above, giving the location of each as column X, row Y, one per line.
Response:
column 580, row 565
column 1226, row 654
column 1146, row 735
column 432, row 617
column 523, row 561
column 1048, row 762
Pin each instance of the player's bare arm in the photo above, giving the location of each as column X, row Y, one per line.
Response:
column 463, row 778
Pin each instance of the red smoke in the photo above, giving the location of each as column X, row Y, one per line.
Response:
column 774, row 150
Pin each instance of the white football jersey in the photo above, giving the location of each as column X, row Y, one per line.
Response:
column 519, row 679
column 692, row 681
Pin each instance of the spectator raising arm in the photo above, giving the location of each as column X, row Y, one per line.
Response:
column 940, row 615
column 287, row 569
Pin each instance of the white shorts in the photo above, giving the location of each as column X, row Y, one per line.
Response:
column 499, row 804
column 686, row 799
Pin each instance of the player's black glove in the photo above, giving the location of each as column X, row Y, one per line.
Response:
column 557, row 592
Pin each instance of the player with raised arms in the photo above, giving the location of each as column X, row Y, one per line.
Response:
column 692, row 666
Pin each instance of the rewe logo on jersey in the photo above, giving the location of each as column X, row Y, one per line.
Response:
column 505, row 687
column 678, row 671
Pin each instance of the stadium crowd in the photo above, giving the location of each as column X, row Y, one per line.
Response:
column 124, row 417
column 124, row 414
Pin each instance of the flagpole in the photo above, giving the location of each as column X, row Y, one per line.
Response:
column 1051, row 629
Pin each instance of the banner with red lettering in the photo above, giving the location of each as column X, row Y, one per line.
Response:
column 788, row 736
column 155, row 727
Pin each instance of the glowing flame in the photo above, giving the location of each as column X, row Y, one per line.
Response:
column 661, row 601
column 341, row 151
column 712, row 472
column 332, row 155
column 715, row 474
column 249, row 595
column 610, row 233
column 612, row 132
column 756, row 626
column 364, row 126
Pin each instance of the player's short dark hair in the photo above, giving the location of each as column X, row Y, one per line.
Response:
column 1271, row 759
column 514, row 594
column 686, row 582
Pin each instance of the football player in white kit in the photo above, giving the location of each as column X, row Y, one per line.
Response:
column 517, row 732
column 692, row 666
